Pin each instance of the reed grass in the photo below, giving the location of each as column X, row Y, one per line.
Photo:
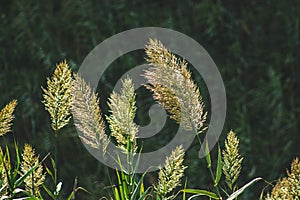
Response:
column 173, row 87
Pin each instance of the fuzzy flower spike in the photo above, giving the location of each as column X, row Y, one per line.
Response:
column 6, row 117
column 87, row 115
column 57, row 99
column 232, row 160
column 170, row 175
column 37, row 177
column 172, row 85
column 122, row 113
column 288, row 187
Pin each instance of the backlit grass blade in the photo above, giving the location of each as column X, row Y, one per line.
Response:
column 219, row 168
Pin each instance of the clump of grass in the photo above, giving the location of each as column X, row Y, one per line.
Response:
column 172, row 86
column 27, row 171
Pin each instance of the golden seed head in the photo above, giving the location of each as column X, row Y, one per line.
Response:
column 288, row 187
column 170, row 175
column 167, row 99
column 4, row 169
column 122, row 114
column 57, row 99
column 36, row 178
column 87, row 114
column 232, row 160
column 6, row 117
column 172, row 85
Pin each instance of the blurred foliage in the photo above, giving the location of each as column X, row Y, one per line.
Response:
column 255, row 45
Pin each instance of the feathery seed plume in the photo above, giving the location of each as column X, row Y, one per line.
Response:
column 87, row 114
column 3, row 173
column 232, row 160
column 36, row 178
column 170, row 175
column 122, row 113
column 57, row 99
column 288, row 187
column 173, row 87
column 6, row 117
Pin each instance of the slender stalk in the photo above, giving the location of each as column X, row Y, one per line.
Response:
column 55, row 146
column 208, row 166
column 55, row 159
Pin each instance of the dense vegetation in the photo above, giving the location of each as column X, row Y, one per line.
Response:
column 254, row 44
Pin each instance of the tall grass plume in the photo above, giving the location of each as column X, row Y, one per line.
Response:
column 288, row 187
column 170, row 81
column 232, row 160
column 57, row 99
column 37, row 177
column 87, row 115
column 169, row 177
column 122, row 113
column 6, row 117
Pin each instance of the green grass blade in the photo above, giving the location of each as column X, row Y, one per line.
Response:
column 20, row 180
column 50, row 173
column 142, row 190
column 143, row 196
column 8, row 171
column 219, row 168
column 125, row 186
column 18, row 161
column 71, row 196
column 55, row 170
column 48, row 192
column 138, row 188
column 184, row 193
column 116, row 193
column 120, row 184
column 208, row 159
column 201, row 193
column 241, row 190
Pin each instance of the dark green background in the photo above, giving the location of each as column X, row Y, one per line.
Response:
column 255, row 45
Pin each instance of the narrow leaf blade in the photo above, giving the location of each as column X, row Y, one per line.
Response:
column 241, row 190
column 201, row 193
column 219, row 168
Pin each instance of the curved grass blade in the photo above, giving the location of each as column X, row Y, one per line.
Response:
column 241, row 190
column 219, row 168
column 208, row 159
column 201, row 193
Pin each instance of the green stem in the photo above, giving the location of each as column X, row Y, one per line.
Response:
column 55, row 159
column 209, row 166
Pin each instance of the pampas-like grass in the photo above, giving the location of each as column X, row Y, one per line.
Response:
column 6, row 117
column 122, row 113
column 87, row 114
column 288, row 187
column 170, row 175
column 3, row 173
column 37, row 177
column 57, row 99
column 173, row 88
column 232, row 160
